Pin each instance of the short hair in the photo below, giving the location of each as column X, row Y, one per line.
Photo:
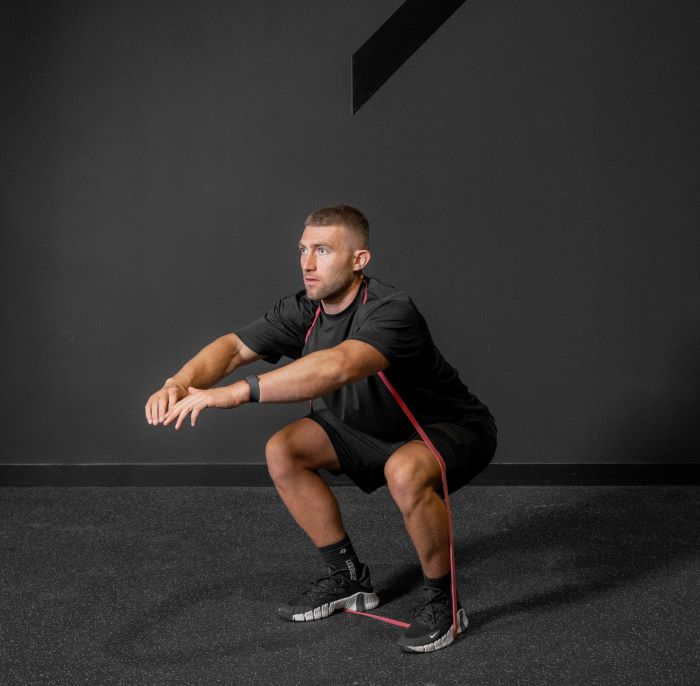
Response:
column 343, row 215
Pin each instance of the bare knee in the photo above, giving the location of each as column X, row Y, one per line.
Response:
column 409, row 482
column 297, row 448
column 280, row 456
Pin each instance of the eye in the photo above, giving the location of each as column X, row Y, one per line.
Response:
column 322, row 250
column 302, row 250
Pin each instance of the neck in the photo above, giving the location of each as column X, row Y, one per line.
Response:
column 342, row 301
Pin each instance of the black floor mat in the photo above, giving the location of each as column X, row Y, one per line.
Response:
column 562, row 585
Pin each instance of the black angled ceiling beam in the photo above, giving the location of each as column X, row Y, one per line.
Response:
column 394, row 42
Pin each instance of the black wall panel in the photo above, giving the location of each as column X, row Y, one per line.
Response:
column 530, row 174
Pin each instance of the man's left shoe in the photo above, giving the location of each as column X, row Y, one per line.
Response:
column 431, row 628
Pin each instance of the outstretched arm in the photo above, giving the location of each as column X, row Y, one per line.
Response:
column 309, row 377
column 321, row 372
column 211, row 364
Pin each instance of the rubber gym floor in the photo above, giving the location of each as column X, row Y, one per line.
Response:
column 563, row 585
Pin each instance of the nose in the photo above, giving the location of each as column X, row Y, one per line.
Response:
column 308, row 262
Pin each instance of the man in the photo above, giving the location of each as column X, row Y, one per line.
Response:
column 342, row 330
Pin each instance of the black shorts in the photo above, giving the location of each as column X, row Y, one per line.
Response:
column 466, row 450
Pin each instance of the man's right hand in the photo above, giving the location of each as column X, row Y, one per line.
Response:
column 163, row 400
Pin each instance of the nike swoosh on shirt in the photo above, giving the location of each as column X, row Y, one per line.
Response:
column 434, row 635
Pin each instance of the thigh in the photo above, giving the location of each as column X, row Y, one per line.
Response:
column 466, row 451
column 308, row 443
column 362, row 457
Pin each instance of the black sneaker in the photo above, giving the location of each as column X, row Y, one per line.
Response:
column 327, row 594
column 431, row 628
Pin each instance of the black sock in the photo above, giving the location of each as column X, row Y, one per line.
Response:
column 442, row 583
column 341, row 557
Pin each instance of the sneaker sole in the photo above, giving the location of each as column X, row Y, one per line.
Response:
column 443, row 641
column 359, row 602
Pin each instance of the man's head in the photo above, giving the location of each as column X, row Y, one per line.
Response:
column 352, row 219
column 334, row 251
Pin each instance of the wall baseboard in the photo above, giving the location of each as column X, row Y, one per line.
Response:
column 504, row 474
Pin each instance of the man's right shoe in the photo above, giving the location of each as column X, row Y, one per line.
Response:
column 327, row 594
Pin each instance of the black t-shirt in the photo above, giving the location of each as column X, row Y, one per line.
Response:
column 390, row 322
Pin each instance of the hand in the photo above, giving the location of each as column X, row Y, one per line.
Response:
column 164, row 400
column 199, row 399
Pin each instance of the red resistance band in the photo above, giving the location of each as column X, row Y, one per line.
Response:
column 443, row 472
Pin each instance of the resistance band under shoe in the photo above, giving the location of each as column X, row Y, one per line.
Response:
column 331, row 593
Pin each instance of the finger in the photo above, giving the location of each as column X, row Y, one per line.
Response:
column 161, row 409
column 147, row 411
column 170, row 415
column 176, row 415
column 196, row 411
column 153, row 411
column 183, row 415
column 172, row 399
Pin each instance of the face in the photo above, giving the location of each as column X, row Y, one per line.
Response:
column 329, row 261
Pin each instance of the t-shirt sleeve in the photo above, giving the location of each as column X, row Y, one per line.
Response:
column 396, row 329
column 281, row 331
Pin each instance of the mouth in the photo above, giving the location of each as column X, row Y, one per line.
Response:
column 309, row 281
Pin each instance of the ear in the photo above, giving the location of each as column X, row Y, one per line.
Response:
column 362, row 258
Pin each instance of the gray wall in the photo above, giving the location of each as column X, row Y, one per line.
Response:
column 531, row 177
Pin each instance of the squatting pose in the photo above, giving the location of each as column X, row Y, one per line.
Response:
column 341, row 331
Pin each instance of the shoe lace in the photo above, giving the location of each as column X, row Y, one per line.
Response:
column 328, row 583
column 432, row 608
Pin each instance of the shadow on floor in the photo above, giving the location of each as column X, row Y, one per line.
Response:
column 610, row 538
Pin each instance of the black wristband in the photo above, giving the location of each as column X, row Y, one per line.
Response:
column 254, row 384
